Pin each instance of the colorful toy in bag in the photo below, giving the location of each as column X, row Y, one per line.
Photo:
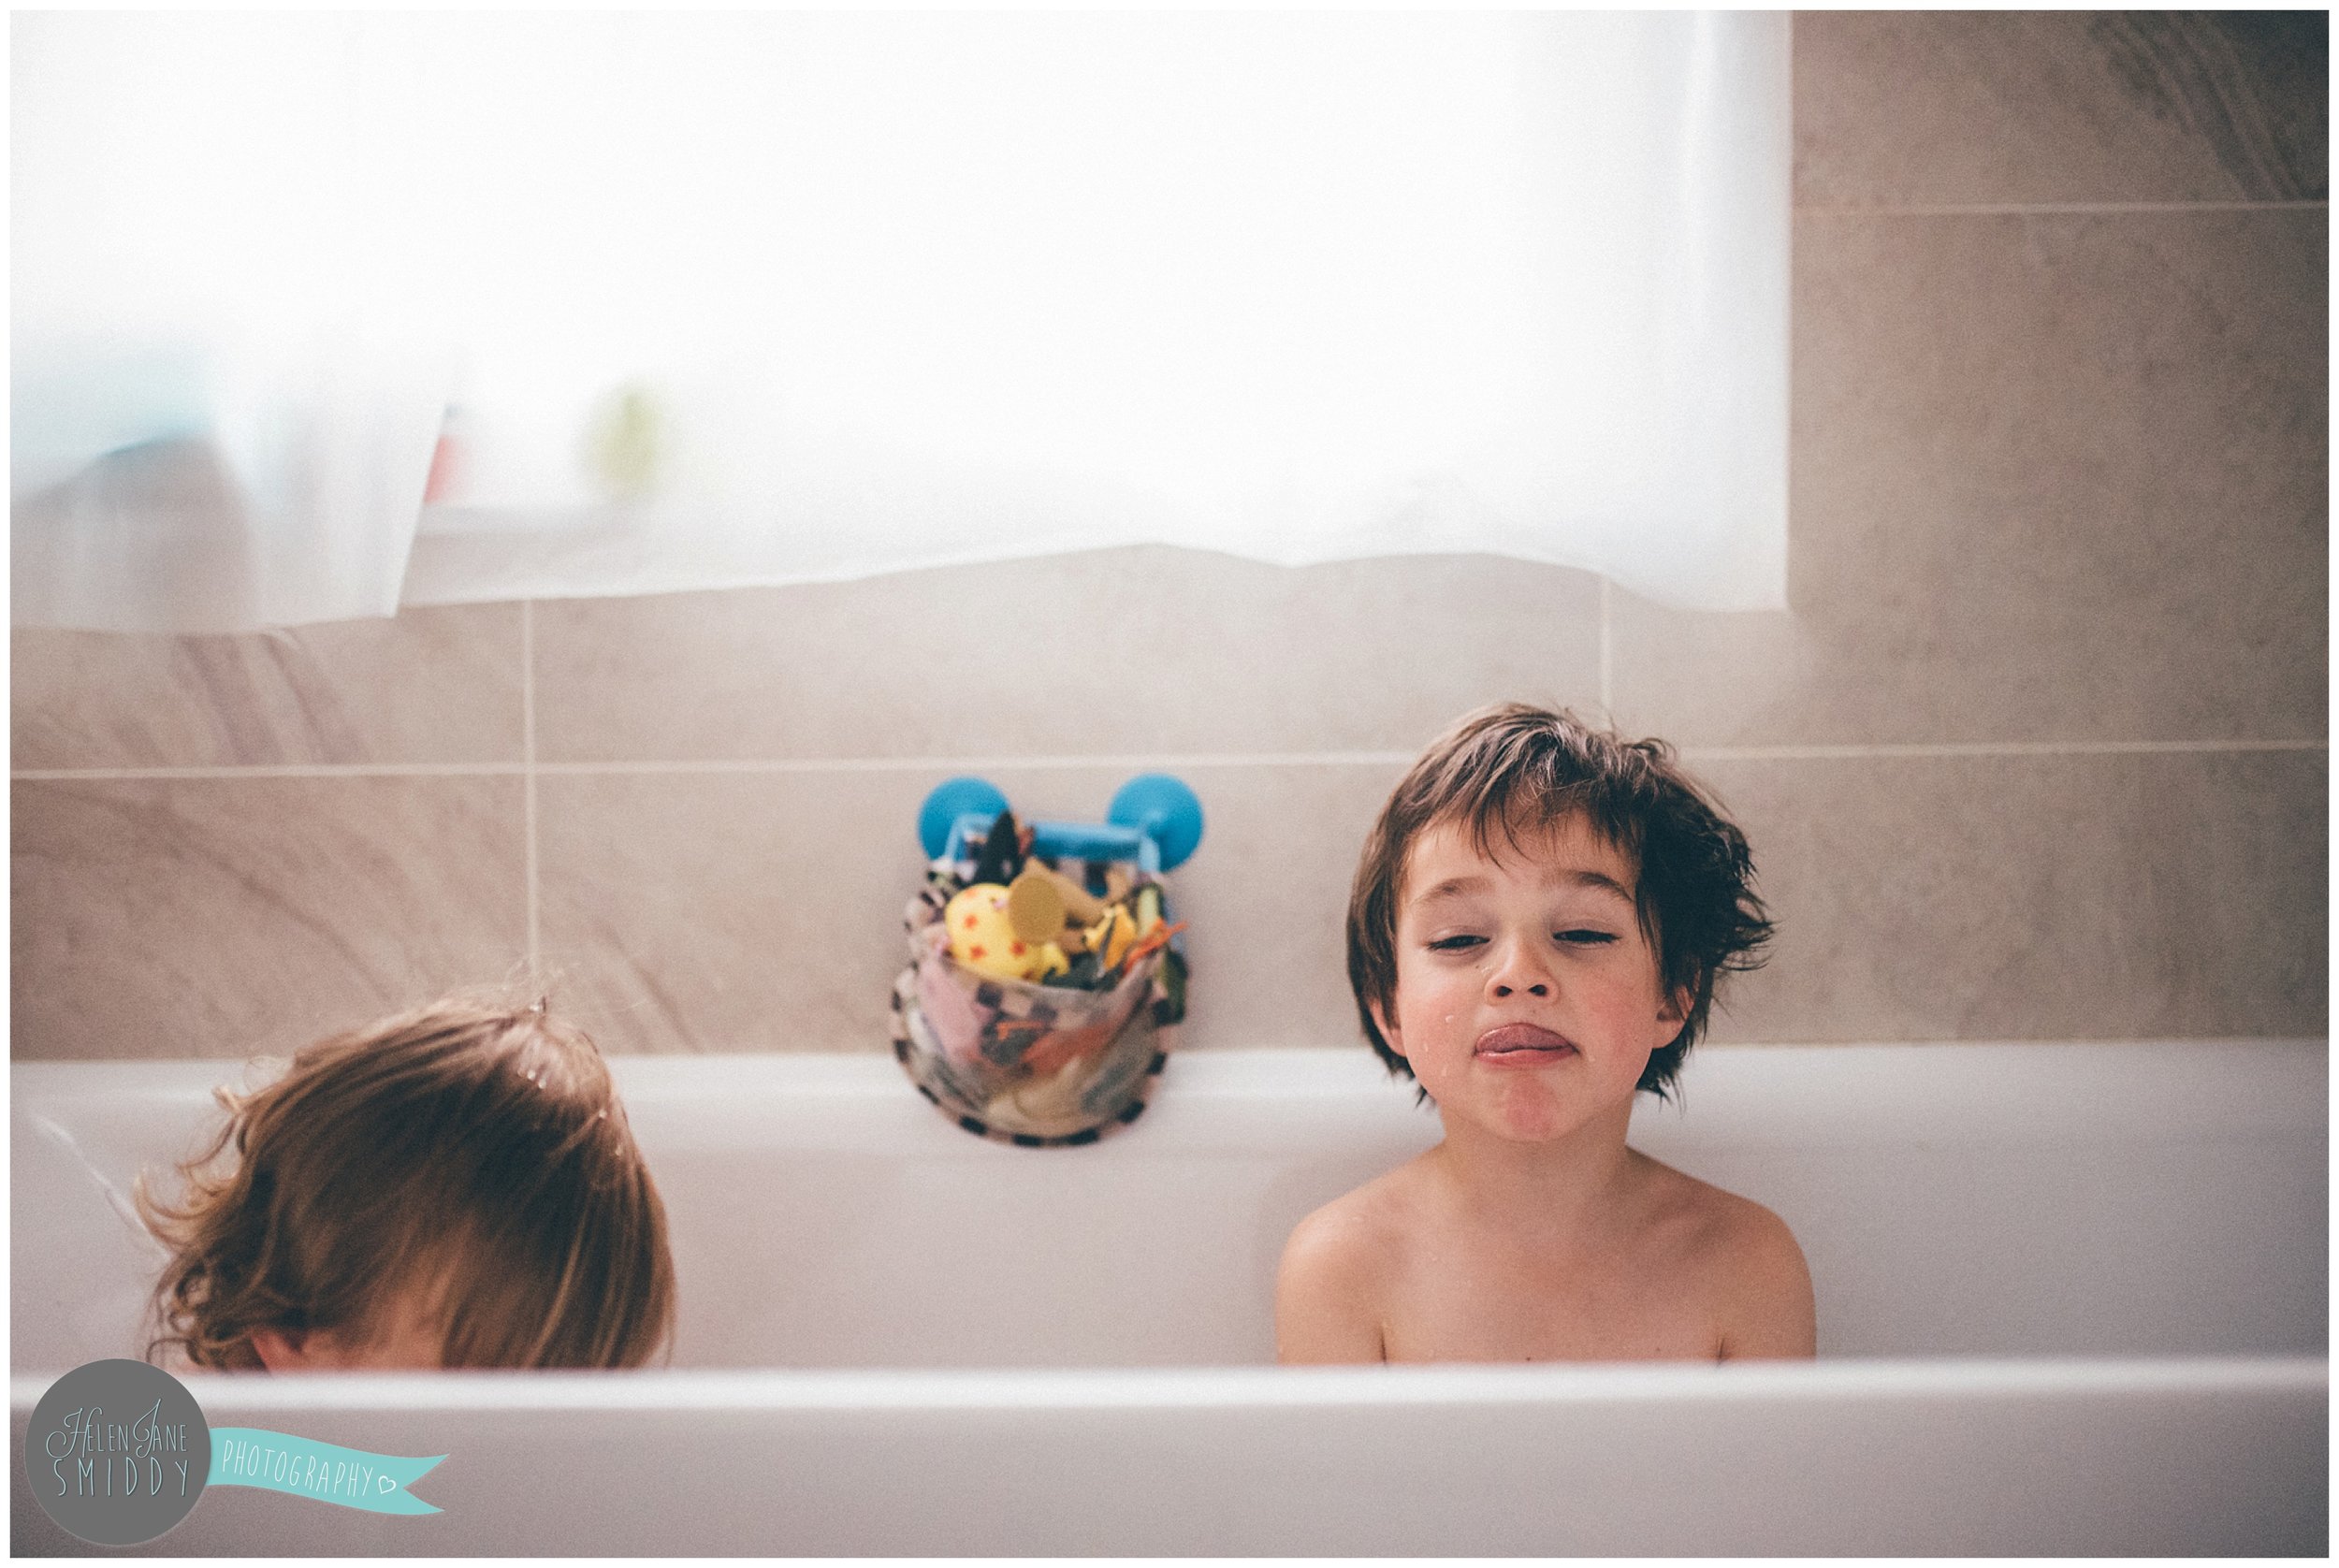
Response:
column 1032, row 951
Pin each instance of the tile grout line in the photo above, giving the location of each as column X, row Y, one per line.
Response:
column 287, row 770
column 529, row 770
column 528, row 787
column 2020, row 209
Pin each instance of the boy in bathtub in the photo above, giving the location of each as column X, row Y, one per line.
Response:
column 1534, row 933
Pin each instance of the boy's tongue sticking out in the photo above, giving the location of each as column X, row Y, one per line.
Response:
column 1522, row 1045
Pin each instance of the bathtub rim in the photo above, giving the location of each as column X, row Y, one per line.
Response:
column 817, row 1389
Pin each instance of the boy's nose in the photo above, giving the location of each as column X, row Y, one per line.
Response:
column 1515, row 971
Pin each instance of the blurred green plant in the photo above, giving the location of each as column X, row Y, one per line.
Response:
column 629, row 442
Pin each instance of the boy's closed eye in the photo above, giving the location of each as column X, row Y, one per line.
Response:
column 1577, row 935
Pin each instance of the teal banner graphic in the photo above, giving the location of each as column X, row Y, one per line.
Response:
column 248, row 1457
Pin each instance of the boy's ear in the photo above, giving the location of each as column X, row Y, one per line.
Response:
column 284, row 1350
column 1674, row 1008
column 1388, row 1030
column 281, row 1350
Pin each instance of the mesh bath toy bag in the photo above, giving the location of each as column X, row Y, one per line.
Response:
column 1063, row 1060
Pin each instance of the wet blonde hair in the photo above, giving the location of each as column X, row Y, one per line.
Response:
column 469, row 1157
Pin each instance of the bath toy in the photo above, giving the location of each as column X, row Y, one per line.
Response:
column 1041, row 903
column 1110, row 937
column 1034, row 908
column 985, row 940
column 1148, row 910
column 1154, row 939
column 1002, row 852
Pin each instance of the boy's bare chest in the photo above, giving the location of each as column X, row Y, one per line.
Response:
column 1462, row 1303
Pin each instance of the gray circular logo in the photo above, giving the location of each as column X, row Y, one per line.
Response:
column 118, row 1452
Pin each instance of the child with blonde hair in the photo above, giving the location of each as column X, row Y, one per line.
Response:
column 454, row 1187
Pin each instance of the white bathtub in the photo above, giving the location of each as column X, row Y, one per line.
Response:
column 2072, row 1300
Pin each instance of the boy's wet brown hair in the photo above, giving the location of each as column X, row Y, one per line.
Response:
column 1510, row 771
column 470, row 1155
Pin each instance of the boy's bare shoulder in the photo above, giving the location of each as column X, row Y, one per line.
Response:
column 1709, row 1220
column 1333, row 1283
column 1742, row 1258
column 1365, row 1228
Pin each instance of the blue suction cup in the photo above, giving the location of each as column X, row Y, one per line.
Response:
column 951, row 800
column 1164, row 810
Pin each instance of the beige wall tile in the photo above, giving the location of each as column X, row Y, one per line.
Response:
column 429, row 686
column 727, row 912
column 226, row 916
column 2048, row 897
column 763, row 911
column 1913, row 108
column 1150, row 650
column 2054, row 478
column 1269, row 899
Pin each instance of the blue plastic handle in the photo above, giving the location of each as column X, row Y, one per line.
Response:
column 1154, row 820
column 1066, row 840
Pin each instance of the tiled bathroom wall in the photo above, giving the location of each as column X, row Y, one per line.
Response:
column 2038, row 751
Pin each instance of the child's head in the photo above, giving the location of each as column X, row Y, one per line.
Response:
column 1507, row 777
column 454, row 1187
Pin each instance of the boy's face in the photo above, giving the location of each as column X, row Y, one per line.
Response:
column 1527, row 999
